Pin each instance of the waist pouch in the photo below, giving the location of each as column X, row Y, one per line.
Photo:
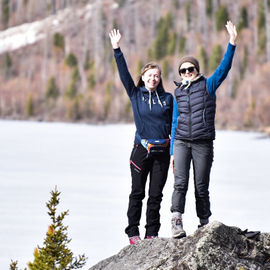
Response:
column 155, row 146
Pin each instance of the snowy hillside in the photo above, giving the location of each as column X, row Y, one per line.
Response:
column 29, row 33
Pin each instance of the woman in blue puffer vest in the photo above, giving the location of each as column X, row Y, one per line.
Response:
column 193, row 132
column 152, row 110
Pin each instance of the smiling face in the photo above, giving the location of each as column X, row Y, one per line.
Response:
column 188, row 71
column 151, row 79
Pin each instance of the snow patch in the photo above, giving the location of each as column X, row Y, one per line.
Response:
column 29, row 33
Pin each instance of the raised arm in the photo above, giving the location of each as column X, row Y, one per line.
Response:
column 124, row 74
column 232, row 32
column 215, row 80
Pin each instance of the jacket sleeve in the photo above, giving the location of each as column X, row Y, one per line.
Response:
column 215, row 80
column 123, row 72
column 174, row 123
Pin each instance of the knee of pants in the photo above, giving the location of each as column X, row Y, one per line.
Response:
column 201, row 190
column 180, row 188
column 155, row 199
column 137, row 195
column 202, row 194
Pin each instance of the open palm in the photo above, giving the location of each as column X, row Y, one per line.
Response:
column 232, row 31
column 115, row 37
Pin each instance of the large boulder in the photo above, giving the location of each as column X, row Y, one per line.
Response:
column 215, row 246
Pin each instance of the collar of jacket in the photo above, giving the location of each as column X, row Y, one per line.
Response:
column 188, row 83
column 159, row 90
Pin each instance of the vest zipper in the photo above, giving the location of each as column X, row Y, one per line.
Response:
column 189, row 108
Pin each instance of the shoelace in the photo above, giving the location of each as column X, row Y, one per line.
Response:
column 135, row 238
column 176, row 221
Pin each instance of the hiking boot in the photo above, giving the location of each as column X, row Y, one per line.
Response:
column 203, row 222
column 201, row 225
column 177, row 227
column 134, row 239
column 150, row 237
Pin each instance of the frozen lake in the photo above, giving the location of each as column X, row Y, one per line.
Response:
column 90, row 167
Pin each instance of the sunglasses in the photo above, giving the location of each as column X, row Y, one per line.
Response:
column 184, row 70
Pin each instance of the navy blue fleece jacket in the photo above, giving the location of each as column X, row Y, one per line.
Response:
column 152, row 111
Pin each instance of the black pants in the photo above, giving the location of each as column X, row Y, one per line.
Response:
column 157, row 167
column 201, row 154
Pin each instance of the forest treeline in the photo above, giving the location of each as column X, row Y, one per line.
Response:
column 70, row 74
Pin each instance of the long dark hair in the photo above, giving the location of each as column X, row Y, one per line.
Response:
column 150, row 65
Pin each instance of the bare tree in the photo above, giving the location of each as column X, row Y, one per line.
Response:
column 45, row 57
column 267, row 27
column 202, row 21
column 254, row 18
column 215, row 5
column 154, row 17
column 98, row 34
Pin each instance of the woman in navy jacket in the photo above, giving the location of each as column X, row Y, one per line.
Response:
column 193, row 132
column 152, row 110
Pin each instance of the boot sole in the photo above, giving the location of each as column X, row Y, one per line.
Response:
column 180, row 235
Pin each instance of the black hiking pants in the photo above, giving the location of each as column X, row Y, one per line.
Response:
column 142, row 165
column 201, row 155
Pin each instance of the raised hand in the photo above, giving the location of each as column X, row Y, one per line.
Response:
column 115, row 37
column 232, row 31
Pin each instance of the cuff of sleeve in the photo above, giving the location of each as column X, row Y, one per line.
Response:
column 117, row 51
column 231, row 45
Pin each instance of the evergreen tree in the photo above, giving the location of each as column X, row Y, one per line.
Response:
column 52, row 89
column 176, row 4
column 14, row 266
column 86, row 64
column 30, row 105
column 172, row 43
column 182, row 45
column 5, row 12
column 234, row 88
column 165, row 69
column 261, row 27
column 7, row 65
column 188, row 13
column 75, row 74
column 55, row 254
column 215, row 57
column 120, row 2
column 164, row 26
column 107, row 102
column 59, row 41
column 209, row 8
column 243, row 22
column 244, row 62
column 150, row 54
column 115, row 24
column 71, row 90
column 222, row 16
column 91, row 77
column 139, row 67
column 203, row 59
column 71, row 60
column 91, row 81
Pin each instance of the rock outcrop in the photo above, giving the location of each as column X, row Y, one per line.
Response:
column 215, row 246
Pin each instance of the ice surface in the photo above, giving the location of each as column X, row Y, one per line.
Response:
column 89, row 164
